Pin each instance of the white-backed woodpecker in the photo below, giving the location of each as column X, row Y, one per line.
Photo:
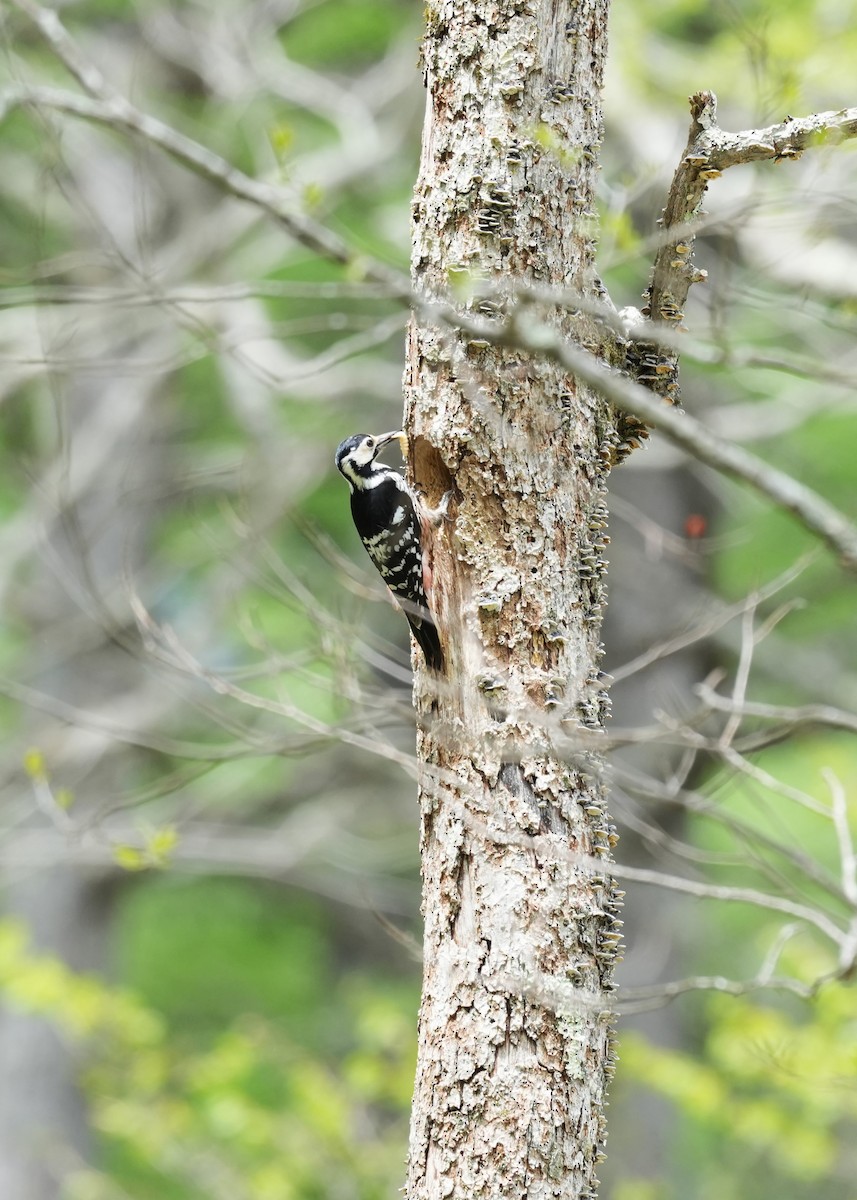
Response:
column 394, row 527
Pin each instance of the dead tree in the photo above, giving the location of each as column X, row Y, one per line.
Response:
column 521, row 912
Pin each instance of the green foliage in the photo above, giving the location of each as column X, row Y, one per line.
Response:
column 772, row 57
column 34, row 765
column 763, row 1097
column 156, row 851
column 348, row 31
column 79, row 1004
column 772, row 1091
column 246, row 1110
column 202, row 951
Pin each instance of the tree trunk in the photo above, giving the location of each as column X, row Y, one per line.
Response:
column 521, row 925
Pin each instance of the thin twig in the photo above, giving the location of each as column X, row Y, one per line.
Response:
column 706, row 628
column 847, row 857
column 739, row 895
column 742, row 674
column 119, row 114
column 807, row 714
column 766, row 780
column 643, row 999
column 700, row 805
column 784, row 935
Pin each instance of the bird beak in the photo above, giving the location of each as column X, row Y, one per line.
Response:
column 384, row 439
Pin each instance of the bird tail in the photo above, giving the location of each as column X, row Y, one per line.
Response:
column 429, row 642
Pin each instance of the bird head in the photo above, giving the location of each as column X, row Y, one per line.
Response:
column 355, row 457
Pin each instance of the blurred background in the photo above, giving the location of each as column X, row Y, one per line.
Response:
column 209, row 947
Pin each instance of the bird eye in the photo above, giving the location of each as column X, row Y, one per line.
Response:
column 370, row 442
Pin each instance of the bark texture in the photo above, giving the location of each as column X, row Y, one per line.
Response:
column 521, row 924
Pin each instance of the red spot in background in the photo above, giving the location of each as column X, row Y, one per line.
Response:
column 695, row 525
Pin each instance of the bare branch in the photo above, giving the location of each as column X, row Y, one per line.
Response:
column 210, row 293
column 706, row 628
column 747, row 833
column 766, row 780
column 709, row 151
column 548, row 849
column 791, row 718
column 814, row 512
column 292, row 851
column 789, row 139
column 75, row 716
column 642, row 999
column 847, row 856
column 66, row 49
column 740, row 895
column 742, row 675
column 118, row 114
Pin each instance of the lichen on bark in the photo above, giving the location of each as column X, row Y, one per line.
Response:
column 521, row 924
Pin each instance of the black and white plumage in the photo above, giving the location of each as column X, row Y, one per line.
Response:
column 394, row 529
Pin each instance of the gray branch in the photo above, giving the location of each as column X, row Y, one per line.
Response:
column 119, row 114
column 814, row 512
column 709, row 151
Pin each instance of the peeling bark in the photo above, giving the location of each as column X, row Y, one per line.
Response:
column 520, row 934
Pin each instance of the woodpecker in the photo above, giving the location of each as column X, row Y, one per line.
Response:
column 394, row 527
